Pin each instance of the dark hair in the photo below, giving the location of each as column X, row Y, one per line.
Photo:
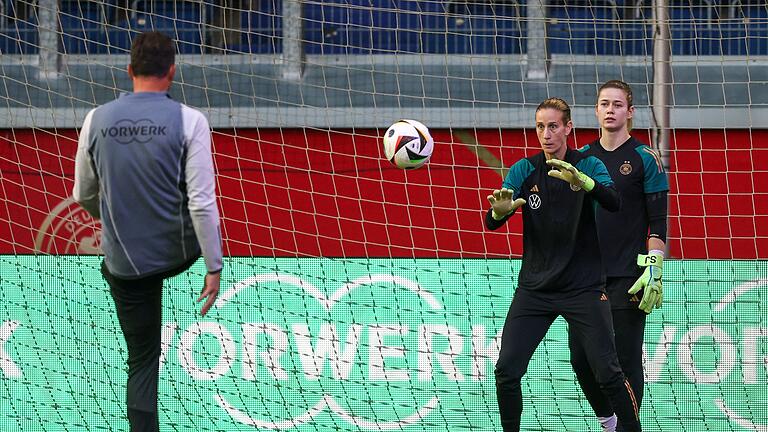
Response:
column 557, row 104
column 152, row 54
column 621, row 85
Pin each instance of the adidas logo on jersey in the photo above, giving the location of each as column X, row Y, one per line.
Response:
column 535, row 188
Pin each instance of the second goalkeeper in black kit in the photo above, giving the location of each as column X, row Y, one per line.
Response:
column 632, row 242
column 558, row 190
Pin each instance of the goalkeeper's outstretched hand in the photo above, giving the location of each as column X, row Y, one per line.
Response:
column 502, row 203
column 568, row 173
column 650, row 281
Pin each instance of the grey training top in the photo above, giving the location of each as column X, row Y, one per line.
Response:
column 144, row 167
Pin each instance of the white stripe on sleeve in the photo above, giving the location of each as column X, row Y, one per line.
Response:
column 86, row 189
column 201, row 186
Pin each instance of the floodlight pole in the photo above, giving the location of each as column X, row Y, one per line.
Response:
column 538, row 52
column 293, row 45
column 662, row 74
column 49, row 57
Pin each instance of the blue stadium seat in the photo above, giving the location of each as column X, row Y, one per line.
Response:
column 757, row 39
column 20, row 37
column 117, row 40
column 722, row 40
column 637, row 40
column 263, row 29
column 82, row 28
column 85, row 27
column 17, row 35
column 182, row 20
column 411, row 26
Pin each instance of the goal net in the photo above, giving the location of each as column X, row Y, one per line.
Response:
column 355, row 295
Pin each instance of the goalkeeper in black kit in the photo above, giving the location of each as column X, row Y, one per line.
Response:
column 562, row 272
column 632, row 245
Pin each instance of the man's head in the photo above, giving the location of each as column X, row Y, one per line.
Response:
column 153, row 55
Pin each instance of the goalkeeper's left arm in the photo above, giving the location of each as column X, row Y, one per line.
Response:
column 650, row 281
column 596, row 182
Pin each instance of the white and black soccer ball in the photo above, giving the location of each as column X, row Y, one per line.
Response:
column 408, row 144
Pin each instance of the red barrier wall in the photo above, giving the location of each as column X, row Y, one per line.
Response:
column 321, row 193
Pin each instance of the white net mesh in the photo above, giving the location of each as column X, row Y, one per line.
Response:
column 357, row 296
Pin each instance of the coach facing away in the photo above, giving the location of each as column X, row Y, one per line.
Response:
column 144, row 167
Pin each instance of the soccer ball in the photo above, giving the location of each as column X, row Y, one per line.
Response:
column 408, row 144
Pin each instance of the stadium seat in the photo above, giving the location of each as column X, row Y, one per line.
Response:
column 19, row 37
column 699, row 27
column 82, row 27
column 263, row 28
column 182, row 19
column 18, row 30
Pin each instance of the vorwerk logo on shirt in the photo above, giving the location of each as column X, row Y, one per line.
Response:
column 128, row 131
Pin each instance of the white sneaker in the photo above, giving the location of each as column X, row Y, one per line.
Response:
column 608, row 423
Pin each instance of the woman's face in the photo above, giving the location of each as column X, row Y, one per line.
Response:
column 552, row 133
column 613, row 110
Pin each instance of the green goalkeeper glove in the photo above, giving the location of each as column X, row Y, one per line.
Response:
column 502, row 204
column 567, row 172
column 650, row 281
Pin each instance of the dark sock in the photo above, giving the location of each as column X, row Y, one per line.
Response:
column 143, row 421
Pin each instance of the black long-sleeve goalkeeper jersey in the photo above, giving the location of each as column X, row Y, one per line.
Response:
column 640, row 178
column 560, row 243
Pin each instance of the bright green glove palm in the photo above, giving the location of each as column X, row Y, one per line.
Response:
column 502, row 203
column 568, row 173
column 650, row 281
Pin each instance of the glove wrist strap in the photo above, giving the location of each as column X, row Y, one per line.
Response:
column 587, row 183
column 496, row 216
column 652, row 259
